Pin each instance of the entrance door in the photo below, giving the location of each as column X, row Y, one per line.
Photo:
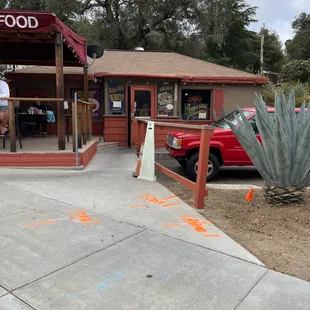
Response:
column 142, row 106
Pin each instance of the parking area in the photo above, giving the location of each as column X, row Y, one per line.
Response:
column 227, row 175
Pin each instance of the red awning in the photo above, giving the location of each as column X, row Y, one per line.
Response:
column 28, row 38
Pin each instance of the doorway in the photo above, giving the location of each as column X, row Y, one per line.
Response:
column 142, row 106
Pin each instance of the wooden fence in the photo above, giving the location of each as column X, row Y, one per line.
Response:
column 84, row 112
column 205, row 132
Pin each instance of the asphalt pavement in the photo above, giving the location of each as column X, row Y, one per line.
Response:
column 228, row 175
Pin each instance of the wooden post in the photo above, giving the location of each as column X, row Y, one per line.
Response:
column 61, row 126
column 90, row 119
column 87, row 122
column 85, row 110
column 73, row 125
column 200, row 190
column 12, row 126
column 79, row 120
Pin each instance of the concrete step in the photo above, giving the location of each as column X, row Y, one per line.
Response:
column 108, row 145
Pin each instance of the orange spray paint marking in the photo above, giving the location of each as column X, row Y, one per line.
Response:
column 41, row 223
column 153, row 199
column 138, row 206
column 196, row 224
column 80, row 216
column 212, row 236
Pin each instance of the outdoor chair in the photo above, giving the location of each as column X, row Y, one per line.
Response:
column 17, row 129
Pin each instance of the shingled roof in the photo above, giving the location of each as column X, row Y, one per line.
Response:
column 157, row 64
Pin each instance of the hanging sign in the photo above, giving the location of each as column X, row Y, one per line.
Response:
column 19, row 21
column 26, row 21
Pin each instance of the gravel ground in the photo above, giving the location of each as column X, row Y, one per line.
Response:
column 278, row 236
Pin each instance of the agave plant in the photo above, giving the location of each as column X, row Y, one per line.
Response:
column 283, row 157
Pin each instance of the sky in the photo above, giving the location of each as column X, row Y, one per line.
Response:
column 278, row 15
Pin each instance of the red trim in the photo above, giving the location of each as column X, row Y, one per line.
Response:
column 196, row 79
column 218, row 102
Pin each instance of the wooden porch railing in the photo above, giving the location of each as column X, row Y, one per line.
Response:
column 205, row 133
column 84, row 120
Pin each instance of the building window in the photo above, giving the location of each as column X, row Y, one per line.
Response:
column 196, row 104
column 165, row 99
column 116, row 93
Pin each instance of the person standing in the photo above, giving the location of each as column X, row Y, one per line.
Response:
column 4, row 114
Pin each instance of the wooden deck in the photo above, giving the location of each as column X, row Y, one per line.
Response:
column 43, row 152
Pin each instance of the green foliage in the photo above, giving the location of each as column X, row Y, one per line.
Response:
column 297, row 70
column 298, row 48
column 302, row 92
column 212, row 30
column 283, row 158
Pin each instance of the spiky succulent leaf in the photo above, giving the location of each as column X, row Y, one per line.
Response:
column 215, row 115
column 305, row 182
column 253, row 149
column 302, row 156
column 265, row 125
column 292, row 120
column 283, row 166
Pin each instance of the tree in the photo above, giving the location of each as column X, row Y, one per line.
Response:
column 297, row 70
column 299, row 46
column 224, row 27
column 273, row 52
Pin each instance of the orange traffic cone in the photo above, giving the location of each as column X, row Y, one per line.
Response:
column 249, row 195
column 137, row 172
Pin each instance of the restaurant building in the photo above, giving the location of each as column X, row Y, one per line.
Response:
column 154, row 85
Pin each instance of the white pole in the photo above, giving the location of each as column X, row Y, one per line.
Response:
column 76, row 130
column 262, row 50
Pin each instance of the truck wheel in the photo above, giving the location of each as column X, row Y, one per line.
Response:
column 182, row 162
column 213, row 167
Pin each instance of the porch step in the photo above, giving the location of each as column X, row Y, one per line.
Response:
column 107, row 145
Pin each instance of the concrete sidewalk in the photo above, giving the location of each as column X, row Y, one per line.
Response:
column 100, row 239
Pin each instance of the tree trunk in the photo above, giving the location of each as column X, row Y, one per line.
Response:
column 286, row 195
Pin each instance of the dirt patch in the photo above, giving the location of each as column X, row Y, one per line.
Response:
column 277, row 236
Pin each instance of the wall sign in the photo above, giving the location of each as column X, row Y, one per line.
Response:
column 165, row 99
column 117, row 98
column 94, row 95
column 198, row 111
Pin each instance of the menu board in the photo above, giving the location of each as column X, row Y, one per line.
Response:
column 94, row 97
column 117, row 98
column 165, row 99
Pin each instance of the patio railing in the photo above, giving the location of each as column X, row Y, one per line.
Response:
column 84, row 121
column 205, row 133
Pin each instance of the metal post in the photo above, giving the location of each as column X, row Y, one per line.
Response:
column 76, row 130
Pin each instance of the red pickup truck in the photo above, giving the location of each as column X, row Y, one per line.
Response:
column 225, row 150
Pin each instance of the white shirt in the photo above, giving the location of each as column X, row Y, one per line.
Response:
column 4, row 92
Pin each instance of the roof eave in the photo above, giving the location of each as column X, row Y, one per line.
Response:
column 193, row 79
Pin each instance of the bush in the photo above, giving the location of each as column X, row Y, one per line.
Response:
column 302, row 92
